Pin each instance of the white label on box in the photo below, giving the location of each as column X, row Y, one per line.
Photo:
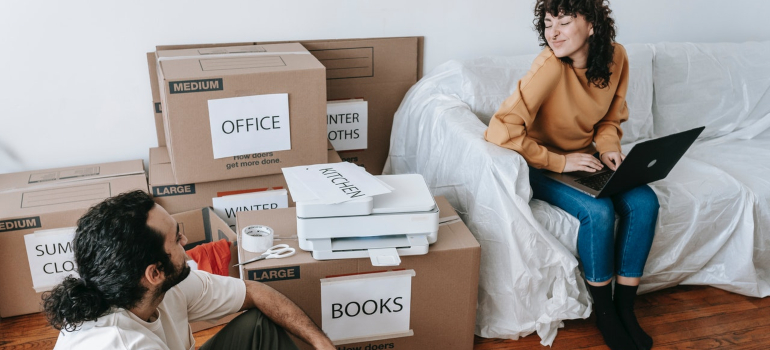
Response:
column 50, row 256
column 367, row 307
column 227, row 207
column 347, row 124
column 332, row 183
column 249, row 124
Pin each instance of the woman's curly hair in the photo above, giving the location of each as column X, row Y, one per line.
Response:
column 113, row 245
column 600, row 44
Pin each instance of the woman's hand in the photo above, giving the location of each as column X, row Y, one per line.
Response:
column 582, row 162
column 613, row 159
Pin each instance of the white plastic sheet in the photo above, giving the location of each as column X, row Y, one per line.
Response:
column 722, row 86
column 528, row 279
column 710, row 227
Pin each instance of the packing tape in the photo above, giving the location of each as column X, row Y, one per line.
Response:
column 257, row 238
column 232, row 55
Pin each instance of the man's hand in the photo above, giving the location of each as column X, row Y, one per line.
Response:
column 285, row 313
column 613, row 159
column 582, row 162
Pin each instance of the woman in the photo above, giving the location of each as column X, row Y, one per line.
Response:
column 573, row 97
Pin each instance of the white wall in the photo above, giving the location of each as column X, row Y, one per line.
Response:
column 74, row 75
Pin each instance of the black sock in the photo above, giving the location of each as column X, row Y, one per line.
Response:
column 624, row 303
column 615, row 336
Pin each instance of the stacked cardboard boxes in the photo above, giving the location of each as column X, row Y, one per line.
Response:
column 39, row 200
column 200, row 93
column 377, row 70
column 232, row 117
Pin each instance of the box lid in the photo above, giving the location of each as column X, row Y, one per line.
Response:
column 234, row 60
column 64, row 191
column 55, row 177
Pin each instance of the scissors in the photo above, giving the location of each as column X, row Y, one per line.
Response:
column 275, row 252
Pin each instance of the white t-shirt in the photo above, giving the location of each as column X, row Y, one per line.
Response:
column 200, row 297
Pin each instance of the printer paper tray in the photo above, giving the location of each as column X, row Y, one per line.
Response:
column 358, row 243
column 358, row 247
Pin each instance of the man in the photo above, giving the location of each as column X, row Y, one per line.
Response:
column 135, row 290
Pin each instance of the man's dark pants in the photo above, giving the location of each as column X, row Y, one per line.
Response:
column 250, row 331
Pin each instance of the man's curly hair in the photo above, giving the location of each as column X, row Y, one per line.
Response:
column 113, row 245
column 600, row 44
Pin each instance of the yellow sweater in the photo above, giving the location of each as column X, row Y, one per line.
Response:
column 555, row 111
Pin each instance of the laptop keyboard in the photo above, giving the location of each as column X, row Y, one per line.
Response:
column 597, row 181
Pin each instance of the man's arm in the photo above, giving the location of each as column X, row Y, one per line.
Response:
column 284, row 313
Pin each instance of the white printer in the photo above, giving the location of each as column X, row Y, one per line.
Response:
column 382, row 227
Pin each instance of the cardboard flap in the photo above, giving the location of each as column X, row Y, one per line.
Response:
column 160, row 175
column 210, row 62
column 446, row 212
column 57, row 176
column 204, row 226
column 234, row 51
column 159, row 155
column 355, row 59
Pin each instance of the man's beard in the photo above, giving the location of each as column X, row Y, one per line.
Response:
column 176, row 277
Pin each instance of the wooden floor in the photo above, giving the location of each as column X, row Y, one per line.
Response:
column 684, row 317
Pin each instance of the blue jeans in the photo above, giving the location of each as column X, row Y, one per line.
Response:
column 602, row 254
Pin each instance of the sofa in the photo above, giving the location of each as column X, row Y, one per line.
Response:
column 714, row 221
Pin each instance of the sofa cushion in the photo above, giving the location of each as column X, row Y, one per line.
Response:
column 488, row 81
column 639, row 95
column 711, row 85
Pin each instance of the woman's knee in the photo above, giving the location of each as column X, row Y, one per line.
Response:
column 642, row 200
column 599, row 213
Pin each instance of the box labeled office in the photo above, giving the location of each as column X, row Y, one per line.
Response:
column 49, row 199
column 241, row 111
column 440, row 287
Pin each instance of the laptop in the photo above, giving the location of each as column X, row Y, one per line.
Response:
column 648, row 161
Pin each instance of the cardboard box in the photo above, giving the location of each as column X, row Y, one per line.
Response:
column 204, row 226
column 160, row 131
column 378, row 70
column 176, row 198
column 443, row 290
column 47, row 199
column 244, row 111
